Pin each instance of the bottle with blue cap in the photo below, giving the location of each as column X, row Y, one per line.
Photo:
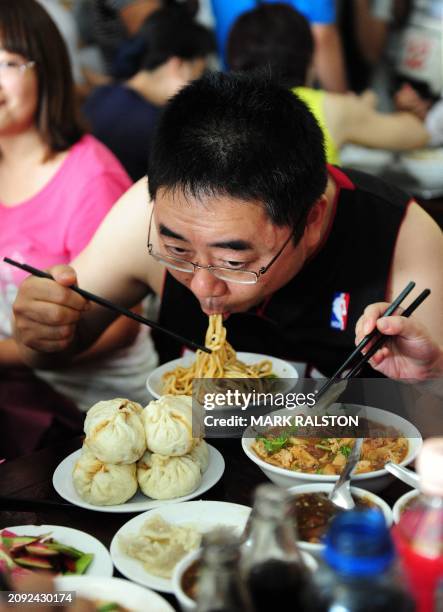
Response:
column 360, row 554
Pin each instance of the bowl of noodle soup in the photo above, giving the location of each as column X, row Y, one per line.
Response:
column 176, row 377
column 372, row 478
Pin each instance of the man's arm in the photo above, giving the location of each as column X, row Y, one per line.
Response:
column 371, row 31
column 353, row 119
column 418, row 256
column 53, row 323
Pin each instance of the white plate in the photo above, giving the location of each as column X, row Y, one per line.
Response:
column 101, row 564
column 203, row 515
column 132, row 596
column 154, row 384
column 62, row 481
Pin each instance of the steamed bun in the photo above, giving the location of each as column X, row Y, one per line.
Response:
column 168, row 425
column 114, row 431
column 163, row 477
column 200, row 453
column 103, row 484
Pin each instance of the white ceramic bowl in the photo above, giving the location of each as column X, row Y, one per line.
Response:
column 325, row 487
column 373, row 481
column 425, row 165
column 154, row 383
column 401, row 502
column 186, row 603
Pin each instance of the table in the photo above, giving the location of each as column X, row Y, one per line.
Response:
column 30, row 478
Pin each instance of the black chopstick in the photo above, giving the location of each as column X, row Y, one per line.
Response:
column 357, row 351
column 382, row 339
column 110, row 305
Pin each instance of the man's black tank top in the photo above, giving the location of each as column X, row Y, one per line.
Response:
column 312, row 318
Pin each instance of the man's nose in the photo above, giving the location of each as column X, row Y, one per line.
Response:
column 204, row 284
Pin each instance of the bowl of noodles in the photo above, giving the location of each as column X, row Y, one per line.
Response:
column 291, row 457
column 224, row 363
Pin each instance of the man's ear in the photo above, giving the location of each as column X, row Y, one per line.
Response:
column 315, row 221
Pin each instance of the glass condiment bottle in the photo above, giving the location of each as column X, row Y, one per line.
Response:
column 220, row 588
column 271, row 564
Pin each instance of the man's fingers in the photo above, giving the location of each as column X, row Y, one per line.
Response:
column 47, row 290
column 64, row 275
column 396, row 326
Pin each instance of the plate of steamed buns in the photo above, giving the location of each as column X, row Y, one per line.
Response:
column 135, row 459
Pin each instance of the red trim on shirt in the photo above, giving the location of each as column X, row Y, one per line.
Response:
column 388, row 280
column 341, row 179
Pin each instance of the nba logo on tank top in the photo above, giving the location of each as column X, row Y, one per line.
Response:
column 339, row 312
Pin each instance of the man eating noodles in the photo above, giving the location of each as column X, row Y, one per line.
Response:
column 246, row 220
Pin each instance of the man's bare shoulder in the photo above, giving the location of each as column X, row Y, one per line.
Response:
column 118, row 251
column 418, row 256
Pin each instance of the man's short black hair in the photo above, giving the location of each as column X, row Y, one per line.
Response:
column 247, row 138
column 275, row 37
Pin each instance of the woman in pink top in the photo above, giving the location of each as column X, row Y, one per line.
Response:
column 56, row 186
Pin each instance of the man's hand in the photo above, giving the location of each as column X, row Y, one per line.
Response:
column 410, row 352
column 47, row 312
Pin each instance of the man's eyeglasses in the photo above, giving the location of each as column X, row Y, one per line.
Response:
column 11, row 69
column 243, row 277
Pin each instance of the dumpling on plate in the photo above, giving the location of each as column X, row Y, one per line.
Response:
column 163, row 477
column 114, row 431
column 168, row 425
column 103, row 484
column 160, row 545
column 200, row 453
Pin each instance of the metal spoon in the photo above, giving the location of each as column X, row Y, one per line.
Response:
column 407, row 476
column 341, row 493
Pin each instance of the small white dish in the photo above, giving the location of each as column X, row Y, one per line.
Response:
column 401, row 502
column 101, row 564
column 62, row 481
column 154, row 384
column 189, row 605
column 114, row 590
column 202, row 515
column 325, row 487
column 425, row 165
column 364, row 158
column 373, row 481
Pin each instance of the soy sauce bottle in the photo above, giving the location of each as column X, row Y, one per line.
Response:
column 220, row 588
column 271, row 564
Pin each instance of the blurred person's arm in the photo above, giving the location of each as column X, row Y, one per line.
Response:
column 371, row 30
column 354, row 119
column 328, row 58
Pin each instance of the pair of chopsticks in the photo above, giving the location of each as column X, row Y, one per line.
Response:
column 111, row 306
column 379, row 339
